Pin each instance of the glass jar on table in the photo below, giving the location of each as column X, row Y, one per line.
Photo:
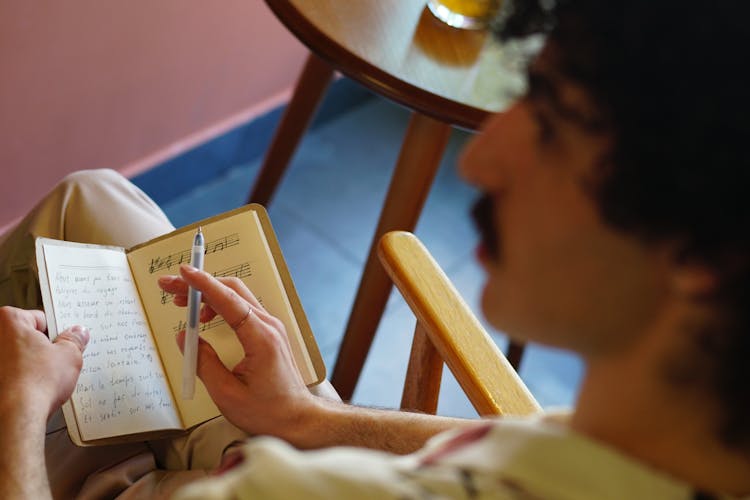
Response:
column 468, row 14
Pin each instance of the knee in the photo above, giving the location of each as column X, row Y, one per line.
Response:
column 93, row 177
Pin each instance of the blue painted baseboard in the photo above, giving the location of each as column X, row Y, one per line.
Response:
column 173, row 178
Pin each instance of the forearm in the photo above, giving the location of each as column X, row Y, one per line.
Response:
column 333, row 423
column 22, row 466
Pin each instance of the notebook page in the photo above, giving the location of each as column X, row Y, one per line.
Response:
column 235, row 246
column 122, row 388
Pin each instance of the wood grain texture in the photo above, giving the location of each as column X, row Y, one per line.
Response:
column 308, row 93
column 422, row 384
column 490, row 383
column 400, row 50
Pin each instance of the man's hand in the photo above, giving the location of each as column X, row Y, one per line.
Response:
column 34, row 370
column 264, row 393
column 36, row 376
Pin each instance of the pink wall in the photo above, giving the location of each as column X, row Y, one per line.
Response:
column 128, row 83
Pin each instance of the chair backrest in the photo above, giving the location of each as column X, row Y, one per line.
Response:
column 447, row 331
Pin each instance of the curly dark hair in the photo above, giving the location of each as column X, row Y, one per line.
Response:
column 668, row 78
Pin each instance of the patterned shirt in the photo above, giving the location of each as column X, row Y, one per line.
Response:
column 504, row 458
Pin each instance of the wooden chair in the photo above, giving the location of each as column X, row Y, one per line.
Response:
column 448, row 332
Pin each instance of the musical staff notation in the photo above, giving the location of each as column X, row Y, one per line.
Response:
column 241, row 270
column 174, row 259
column 181, row 325
column 184, row 257
column 227, row 241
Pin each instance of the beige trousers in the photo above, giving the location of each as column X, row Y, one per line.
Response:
column 101, row 206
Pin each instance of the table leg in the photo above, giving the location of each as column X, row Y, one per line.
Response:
column 308, row 92
column 415, row 170
column 515, row 353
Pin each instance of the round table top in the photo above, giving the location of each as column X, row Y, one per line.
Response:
column 398, row 49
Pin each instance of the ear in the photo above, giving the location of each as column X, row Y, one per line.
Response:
column 693, row 279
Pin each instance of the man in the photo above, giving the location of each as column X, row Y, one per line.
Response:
column 614, row 224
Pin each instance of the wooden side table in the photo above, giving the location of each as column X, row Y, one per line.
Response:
column 399, row 50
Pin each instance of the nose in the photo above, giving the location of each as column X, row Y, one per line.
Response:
column 482, row 161
column 466, row 160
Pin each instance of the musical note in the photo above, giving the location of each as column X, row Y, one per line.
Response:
column 222, row 243
column 181, row 325
column 166, row 297
column 184, row 257
column 175, row 259
column 242, row 270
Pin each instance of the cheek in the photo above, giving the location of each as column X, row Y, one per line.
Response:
column 560, row 275
column 494, row 307
column 522, row 295
column 593, row 298
column 519, row 282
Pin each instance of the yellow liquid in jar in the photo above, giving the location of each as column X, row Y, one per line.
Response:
column 478, row 9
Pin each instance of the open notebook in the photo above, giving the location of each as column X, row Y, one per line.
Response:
column 132, row 368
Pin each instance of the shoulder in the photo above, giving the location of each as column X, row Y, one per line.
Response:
column 271, row 468
column 536, row 457
column 453, row 465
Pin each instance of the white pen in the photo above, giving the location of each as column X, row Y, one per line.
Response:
column 191, row 332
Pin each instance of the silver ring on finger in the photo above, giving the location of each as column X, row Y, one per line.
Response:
column 244, row 319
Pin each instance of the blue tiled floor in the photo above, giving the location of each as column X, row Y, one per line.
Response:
column 325, row 212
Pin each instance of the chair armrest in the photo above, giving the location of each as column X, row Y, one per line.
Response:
column 489, row 381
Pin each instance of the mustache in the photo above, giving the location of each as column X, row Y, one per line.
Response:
column 483, row 214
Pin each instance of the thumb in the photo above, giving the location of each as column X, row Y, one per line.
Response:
column 75, row 337
column 218, row 380
column 68, row 349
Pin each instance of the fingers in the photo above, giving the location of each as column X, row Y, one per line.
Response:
column 29, row 318
column 177, row 286
column 40, row 320
column 67, row 349
column 226, row 302
column 218, row 380
column 76, row 337
column 238, row 286
column 173, row 284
